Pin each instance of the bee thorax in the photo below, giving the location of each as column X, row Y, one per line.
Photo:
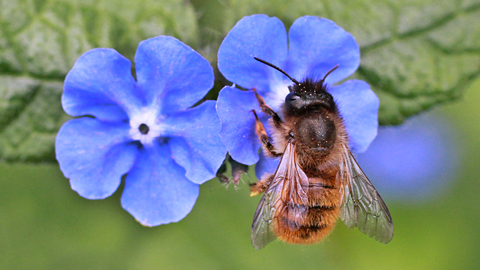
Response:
column 317, row 133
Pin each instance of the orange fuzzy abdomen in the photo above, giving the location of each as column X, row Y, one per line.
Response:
column 322, row 212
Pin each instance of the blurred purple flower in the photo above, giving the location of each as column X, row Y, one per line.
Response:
column 411, row 161
column 146, row 128
column 313, row 47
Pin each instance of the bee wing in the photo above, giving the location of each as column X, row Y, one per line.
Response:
column 362, row 206
column 262, row 228
column 289, row 184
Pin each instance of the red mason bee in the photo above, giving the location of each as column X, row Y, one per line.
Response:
column 318, row 180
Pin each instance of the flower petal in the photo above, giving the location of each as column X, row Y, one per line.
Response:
column 171, row 74
column 195, row 143
column 358, row 106
column 256, row 35
column 100, row 84
column 156, row 189
column 266, row 165
column 94, row 155
column 234, row 108
column 414, row 160
column 317, row 45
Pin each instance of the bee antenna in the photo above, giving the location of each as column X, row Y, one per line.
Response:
column 330, row 71
column 279, row 69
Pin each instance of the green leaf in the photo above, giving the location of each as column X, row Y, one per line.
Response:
column 415, row 54
column 41, row 40
column 430, row 56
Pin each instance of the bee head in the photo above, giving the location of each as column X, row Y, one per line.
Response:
column 309, row 95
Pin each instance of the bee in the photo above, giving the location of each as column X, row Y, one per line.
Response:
column 317, row 180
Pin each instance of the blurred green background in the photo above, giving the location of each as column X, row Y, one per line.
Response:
column 415, row 54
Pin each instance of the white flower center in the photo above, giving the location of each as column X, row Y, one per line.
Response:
column 278, row 91
column 145, row 126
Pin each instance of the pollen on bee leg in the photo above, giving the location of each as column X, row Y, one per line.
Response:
column 260, row 186
column 257, row 188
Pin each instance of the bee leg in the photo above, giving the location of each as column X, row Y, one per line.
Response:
column 266, row 109
column 262, row 135
column 260, row 186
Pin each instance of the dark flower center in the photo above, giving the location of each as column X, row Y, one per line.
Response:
column 143, row 129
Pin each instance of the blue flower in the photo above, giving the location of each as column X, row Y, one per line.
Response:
column 412, row 161
column 314, row 46
column 146, row 129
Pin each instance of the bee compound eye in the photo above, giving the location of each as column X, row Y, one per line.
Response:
column 292, row 97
